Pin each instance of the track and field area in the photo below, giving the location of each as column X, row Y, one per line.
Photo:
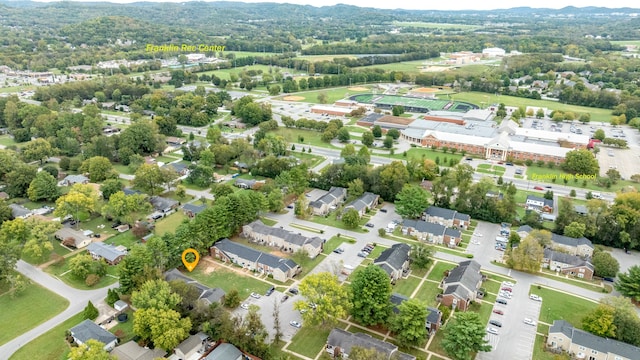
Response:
column 413, row 104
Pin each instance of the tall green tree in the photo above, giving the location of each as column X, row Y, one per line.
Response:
column 600, row 321
column 91, row 350
column 628, row 283
column 156, row 294
column 409, row 324
column 126, row 208
column 326, row 299
column 90, row 311
column 164, row 327
column 99, row 169
column 37, row 150
column 44, row 187
column 411, row 201
column 605, row 265
column 581, row 161
column 527, row 256
column 19, row 179
column 625, row 319
column 149, row 179
column 464, row 335
column 80, row 200
column 421, row 255
column 351, row 218
column 370, row 294
column 110, row 187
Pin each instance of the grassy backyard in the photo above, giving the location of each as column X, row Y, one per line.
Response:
column 228, row 280
column 30, row 308
column 49, row 346
column 557, row 305
column 62, row 272
column 169, row 223
column 406, row 286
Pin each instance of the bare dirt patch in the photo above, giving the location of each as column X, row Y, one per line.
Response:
column 358, row 88
column 425, row 90
column 293, row 98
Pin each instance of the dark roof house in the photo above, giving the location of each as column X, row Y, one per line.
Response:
column 88, row 330
column 365, row 202
column 341, row 341
column 19, row 211
column 207, row 294
column 163, row 204
column 111, row 254
column 434, row 316
column 461, row 286
column 563, row 336
column 394, row 260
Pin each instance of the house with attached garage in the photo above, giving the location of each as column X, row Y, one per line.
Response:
column 74, row 179
column 432, row 232
column 340, row 342
column 580, row 344
column 19, row 211
column 446, row 217
column 111, row 254
column 163, row 204
column 132, row 351
column 88, row 330
column 192, row 210
column 461, row 286
column 434, row 316
column 326, row 202
column 284, row 240
column 395, row 261
column 248, row 258
column 567, row 264
column 72, row 237
column 364, row 203
column 180, row 168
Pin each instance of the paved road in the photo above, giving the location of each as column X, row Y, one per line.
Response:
column 77, row 302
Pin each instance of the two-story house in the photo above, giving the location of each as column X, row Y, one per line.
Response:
column 364, row 203
column 538, row 204
column 340, row 342
column 284, row 240
column 575, row 246
column 446, row 217
column 228, row 251
column 326, row 202
column 395, row 261
column 461, row 286
column 431, row 232
column 567, row 264
column 580, row 344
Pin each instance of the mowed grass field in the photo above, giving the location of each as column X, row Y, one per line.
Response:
column 30, row 308
column 49, row 346
column 602, row 115
column 560, row 306
column 333, row 94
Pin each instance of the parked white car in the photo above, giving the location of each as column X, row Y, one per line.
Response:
column 529, row 322
column 535, row 297
column 508, row 284
column 492, row 330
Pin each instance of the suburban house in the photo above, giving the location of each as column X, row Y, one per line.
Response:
column 583, row 345
column 581, row 210
column 19, row 211
column 180, row 168
column 226, row 351
column 432, row 232
column 88, row 330
column 364, row 203
column 129, row 191
column 248, row 183
column 175, row 141
column 326, row 202
column 539, row 204
column 434, row 316
column 194, row 344
column 281, row 269
column 567, row 264
column 207, row 294
column 192, row 210
column 461, row 286
column 395, row 261
column 70, row 180
column 163, row 204
column 72, row 237
column 574, row 246
column 446, row 217
column 284, row 240
column 111, row 254
column 340, row 342
column 132, row 351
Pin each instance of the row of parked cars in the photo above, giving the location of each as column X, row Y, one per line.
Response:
column 505, row 294
column 366, row 250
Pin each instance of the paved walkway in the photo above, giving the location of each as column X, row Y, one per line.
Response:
column 78, row 300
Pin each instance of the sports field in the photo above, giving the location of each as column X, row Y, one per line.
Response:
column 413, row 104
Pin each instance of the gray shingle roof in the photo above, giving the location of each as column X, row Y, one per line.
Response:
column 467, row 274
column 440, row 212
column 367, row 200
column 461, row 216
column 224, row 351
column 206, row 293
column 162, row 203
column 565, row 258
column 565, row 240
column 395, row 256
column 195, row 209
column 424, row 226
column 106, row 251
column 594, row 342
column 88, row 330
column 132, row 351
column 346, row 340
column 19, row 210
column 525, row 228
column 333, row 194
column 176, row 166
column 288, row 236
column 75, row 179
column 546, row 202
column 253, row 255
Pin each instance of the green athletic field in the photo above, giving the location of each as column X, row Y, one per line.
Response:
column 413, row 104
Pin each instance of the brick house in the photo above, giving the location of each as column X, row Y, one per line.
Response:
column 460, row 287
column 431, row 232
column 284, row 240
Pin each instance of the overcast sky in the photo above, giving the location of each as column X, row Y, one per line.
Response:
column 444, row 4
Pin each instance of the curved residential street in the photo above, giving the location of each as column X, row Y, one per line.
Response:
column 77, row 302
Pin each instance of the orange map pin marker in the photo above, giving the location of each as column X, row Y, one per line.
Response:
column 190, row 265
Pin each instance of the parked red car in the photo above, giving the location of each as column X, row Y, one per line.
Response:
column 498, row 311
column 507, row 289
column 538, row 188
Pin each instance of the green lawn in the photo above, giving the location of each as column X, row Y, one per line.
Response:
column 307, row 264
column 483, row 309
column 268, row 221
column 355, row 329
column 538, row 350
column 419, row 153
column 491, row 286
column 292, row 135
column 333, row 244
column 57, row 249
column 330, row 220
column 376, row 252
column 169, row 223
column 406, row 286
column 405, row 66
column 420, row 272
column 603, row 115
column 557, row 306
column 7, row 140
column 61, row 271
column 228, row 280
column 309, row 341
column 126, row 238
column 49, row 346
column 428, row 292
column 333, row 94
column 30, row 308
column 126, row 327
column 437, row 273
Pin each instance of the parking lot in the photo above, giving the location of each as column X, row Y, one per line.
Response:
column 286, row 313
column 515, row 339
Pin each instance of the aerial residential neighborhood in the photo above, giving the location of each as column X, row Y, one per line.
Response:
column 309, row 182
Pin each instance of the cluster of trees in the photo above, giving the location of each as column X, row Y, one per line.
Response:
column 615, row 317
column 251, row 112
column 117, row 89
